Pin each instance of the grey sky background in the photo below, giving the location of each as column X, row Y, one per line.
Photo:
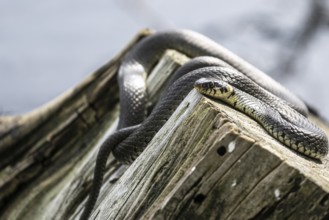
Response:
column 47, row 47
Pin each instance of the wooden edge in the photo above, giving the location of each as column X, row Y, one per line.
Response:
column 14, row 128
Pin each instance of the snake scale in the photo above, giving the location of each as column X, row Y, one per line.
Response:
column 214, row 71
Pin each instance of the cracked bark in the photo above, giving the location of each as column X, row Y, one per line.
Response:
column 207, row 162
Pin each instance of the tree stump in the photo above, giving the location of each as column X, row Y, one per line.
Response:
column 207, row 162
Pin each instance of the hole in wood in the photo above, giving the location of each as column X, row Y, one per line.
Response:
column 324, row 201
column 311, row 206
column 291, row 180
column 199, row 198
column 221, row 150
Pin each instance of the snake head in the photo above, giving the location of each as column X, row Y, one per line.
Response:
column 213, row 87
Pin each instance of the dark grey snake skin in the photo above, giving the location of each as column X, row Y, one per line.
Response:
column 135, row 132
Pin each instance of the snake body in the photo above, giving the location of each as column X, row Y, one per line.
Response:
column 285, row 116
column 299, row 135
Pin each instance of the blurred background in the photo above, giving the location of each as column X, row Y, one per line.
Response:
column 47, row 47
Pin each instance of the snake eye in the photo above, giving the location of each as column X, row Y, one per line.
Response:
column 205, row 85
column 211, row 84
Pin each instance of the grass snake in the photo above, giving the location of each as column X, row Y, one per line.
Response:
column 214, row 71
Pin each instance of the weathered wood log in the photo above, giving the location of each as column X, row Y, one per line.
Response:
column 212, row 162
column 207, row 162
column 43, row 154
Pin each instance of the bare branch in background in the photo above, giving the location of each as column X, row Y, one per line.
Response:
column 317, row 17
